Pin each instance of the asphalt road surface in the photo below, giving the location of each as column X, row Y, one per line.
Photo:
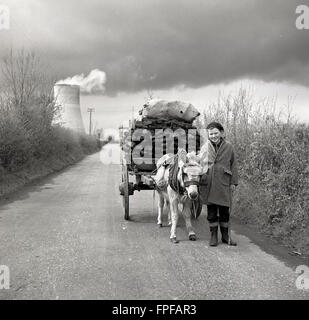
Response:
column 65, row 237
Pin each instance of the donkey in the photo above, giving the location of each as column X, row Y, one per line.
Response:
column 177, row 182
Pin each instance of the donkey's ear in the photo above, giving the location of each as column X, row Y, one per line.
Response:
column 192, row 157
column 182, row 157
column 204, row 166
column 181, row 163
column 203, row 157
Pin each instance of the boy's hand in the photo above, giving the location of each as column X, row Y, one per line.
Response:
column 233, row 187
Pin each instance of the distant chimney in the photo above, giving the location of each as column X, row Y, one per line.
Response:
column 68, row 97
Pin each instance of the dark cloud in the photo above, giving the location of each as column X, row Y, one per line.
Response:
column 159, row 44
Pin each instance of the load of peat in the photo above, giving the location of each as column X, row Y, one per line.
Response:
column 162, row 127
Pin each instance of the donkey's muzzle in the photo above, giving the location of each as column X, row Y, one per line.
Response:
column 193, row 195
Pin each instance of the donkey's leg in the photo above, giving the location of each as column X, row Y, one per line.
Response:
column 187, row 217
column 174, row 218
column 174, row 213
column 160, row 208
column 169, row 219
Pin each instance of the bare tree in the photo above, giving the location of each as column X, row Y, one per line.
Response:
column 27, row 86
column 22, row 76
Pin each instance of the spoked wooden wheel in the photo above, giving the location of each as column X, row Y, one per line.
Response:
column 125, row 181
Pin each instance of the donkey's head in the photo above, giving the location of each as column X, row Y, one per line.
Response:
column 190, row 172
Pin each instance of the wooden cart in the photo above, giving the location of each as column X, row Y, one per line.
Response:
column 144, row 173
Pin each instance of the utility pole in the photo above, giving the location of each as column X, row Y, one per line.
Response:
column 90, row 110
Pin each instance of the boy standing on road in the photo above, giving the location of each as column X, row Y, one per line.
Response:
column 220, row 181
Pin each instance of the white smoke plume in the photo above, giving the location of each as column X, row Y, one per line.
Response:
column 93, row 83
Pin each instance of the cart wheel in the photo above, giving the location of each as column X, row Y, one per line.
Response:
column 125, row 180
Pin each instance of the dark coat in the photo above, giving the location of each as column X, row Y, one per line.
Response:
column 222, row 173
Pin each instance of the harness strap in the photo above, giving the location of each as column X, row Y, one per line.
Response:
column 172, row 179
column 191, row 183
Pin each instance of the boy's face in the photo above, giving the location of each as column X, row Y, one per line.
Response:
column 214, row 135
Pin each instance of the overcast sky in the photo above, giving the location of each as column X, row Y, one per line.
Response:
column 161, row 45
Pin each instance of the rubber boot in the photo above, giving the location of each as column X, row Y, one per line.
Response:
column 214, row 236
column 225, row 234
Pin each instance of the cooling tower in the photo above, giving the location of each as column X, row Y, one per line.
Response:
column 67, row 96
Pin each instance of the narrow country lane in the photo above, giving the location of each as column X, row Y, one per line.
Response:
column 65, row 238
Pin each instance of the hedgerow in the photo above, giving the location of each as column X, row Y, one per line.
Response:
column 272, row 150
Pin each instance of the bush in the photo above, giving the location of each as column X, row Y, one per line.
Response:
column 88, row 143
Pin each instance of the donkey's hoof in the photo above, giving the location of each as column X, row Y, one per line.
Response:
column 174, row 240
column 160, row 225
column 192, row 237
